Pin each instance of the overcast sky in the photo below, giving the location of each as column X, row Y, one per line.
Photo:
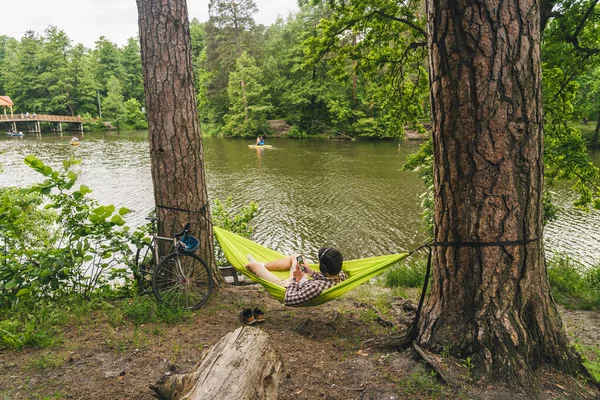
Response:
column 85, row 21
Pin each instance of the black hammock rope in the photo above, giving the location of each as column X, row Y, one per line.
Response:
column 413, row 330
column 201, row 211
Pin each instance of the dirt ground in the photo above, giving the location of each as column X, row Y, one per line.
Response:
column 325, row 351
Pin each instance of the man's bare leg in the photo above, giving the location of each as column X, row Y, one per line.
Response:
column 280, row 265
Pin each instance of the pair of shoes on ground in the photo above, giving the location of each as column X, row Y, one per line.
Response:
column 251, row 317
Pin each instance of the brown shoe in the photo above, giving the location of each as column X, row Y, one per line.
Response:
column 259, row 316
column 247, row 317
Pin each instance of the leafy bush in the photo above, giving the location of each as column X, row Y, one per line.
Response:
column 58, row 241
column 296, row 132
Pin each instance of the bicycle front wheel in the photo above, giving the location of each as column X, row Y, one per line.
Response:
column 144, row 265
column 182, row 281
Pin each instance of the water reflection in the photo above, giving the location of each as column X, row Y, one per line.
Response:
column 310, row 192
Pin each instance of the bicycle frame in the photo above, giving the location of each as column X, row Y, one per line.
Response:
column 156, row 238
column 155, row 246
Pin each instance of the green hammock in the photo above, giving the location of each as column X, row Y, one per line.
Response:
column 236, row 248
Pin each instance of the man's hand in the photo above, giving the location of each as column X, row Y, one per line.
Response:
column 297, row 273
column 308, row 270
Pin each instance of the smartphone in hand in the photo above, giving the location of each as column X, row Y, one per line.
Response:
column 300, row 261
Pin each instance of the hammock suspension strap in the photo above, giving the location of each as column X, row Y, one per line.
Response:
column 200, row 211
column 413, row 330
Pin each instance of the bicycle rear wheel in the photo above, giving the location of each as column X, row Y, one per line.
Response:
column 182, row 281
column 144, row 266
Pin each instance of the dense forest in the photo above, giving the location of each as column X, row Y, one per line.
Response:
column 332, row 67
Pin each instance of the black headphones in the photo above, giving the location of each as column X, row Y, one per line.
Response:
column 322, row 267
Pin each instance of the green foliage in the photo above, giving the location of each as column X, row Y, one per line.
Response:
column 300, row 93
column 230, row 26
column 570, row 54
column 132, row 84
column 572, row 286
column 113, row 109
column 58, row 241
column 106, row 59
column 133, row 115
column 143, row 310
column 422, row 162
column 247, row 115
column 468, row 364
column 590, row 356
column 565, row 151
column 381, row 46
column 46, row 360
column 411, row 274
column 32, row 325
column 224, row 217
column 296, row 132
column 422, row 383
column 47, row 74
column 238, row 222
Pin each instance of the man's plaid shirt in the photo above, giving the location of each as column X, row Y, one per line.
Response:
column 300, row 292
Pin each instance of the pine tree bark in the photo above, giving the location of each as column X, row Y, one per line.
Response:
column 490, row 303
column 176, row 154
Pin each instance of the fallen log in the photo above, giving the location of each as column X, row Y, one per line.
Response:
column 242, row 365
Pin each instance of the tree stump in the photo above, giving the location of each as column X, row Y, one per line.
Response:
column 242, row 365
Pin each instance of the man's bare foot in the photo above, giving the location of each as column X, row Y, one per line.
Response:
column 254, row 266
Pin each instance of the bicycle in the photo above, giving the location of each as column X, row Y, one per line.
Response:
column 181, row 279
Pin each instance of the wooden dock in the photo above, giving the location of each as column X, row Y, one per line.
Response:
column 32, row 122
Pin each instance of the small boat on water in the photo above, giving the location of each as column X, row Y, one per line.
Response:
column 15, row 134
column 264, row 146
column 74, row 141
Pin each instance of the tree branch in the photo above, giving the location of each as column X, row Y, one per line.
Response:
column 402, row 20
column 573, row 39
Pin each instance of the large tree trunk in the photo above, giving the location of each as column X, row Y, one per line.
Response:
column 174, row 130
column 490, row 303
column 243, row 365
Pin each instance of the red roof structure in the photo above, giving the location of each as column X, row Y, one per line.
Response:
column 5, row 101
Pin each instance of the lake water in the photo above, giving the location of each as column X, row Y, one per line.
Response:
column 310, row 193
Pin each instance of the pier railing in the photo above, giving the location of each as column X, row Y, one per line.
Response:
column 39, row 118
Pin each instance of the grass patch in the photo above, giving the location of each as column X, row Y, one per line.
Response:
column 38, row 324
column 45, row 361
column 144, row 310
column 419, row 383
column 35, row 329
column 572, row 286
column 406, row 274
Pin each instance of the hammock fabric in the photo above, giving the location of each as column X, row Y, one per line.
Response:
column 236, row 248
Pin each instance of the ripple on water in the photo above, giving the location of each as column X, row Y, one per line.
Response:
column 310, row 193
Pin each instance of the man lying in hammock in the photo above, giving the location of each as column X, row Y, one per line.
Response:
column 299, row 288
